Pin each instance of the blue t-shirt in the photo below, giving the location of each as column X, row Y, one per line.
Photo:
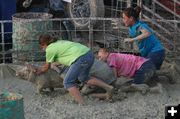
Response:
column 147, row 45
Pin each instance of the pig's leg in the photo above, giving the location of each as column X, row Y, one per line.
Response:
column 99, row 95
column 51, row 89
column 39, row 89
column 109, row 89
column 86, row 89
column 143, row 88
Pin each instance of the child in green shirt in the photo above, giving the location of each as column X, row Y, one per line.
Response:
column 78, row 57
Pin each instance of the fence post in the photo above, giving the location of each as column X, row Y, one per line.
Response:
column 139, row 3
column 3, row 43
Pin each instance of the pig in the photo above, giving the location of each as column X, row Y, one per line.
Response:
column 102, row 71
column 49, row 79
column 54, row 77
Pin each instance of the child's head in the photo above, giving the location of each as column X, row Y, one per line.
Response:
column 103, row 54
column 131, row 15
column 45, row 40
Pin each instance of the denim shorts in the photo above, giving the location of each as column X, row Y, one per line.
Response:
column 157, row 58
column 144, row 73
column 79, row 70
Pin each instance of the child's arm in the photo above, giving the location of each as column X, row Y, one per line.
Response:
column 43, row 69
column 144, row 34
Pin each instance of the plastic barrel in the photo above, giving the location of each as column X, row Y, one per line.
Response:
column 27, row 27
column 11, row 106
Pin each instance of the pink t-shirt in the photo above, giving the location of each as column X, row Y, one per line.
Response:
column 125, row 64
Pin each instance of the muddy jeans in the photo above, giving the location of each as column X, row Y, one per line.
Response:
column 144, row 73
column 79, row 70
column 157, row 58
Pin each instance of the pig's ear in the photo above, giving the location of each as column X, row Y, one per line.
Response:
column 28, row 66
column 26, row 63
column 31, row 67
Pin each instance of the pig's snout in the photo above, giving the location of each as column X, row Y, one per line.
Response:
column 21, row 75
column 17, row 73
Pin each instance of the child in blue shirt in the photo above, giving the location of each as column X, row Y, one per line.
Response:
column 149, row 45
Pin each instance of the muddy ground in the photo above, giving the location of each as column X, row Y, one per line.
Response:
column 60, row 105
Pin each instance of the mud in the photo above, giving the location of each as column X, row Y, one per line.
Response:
column 60, row 105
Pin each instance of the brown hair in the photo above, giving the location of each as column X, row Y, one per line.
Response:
column 105, row 50
column 132, row 12
column 46, row 39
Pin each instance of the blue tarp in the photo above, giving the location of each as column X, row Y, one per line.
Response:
column 7, row 9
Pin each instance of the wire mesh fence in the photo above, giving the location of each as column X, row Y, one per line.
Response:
column 21, row 43
column 101, row 32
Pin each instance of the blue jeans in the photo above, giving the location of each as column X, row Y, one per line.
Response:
column 157, row 58
column 79, row 70
column 144, row 73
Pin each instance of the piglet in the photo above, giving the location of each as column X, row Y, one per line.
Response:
column 50, row 79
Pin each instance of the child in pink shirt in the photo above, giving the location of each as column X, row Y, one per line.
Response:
column 127, row 65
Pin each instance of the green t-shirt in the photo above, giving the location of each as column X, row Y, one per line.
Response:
column 65, row 52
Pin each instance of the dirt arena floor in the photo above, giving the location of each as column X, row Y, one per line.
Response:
column 60, row 105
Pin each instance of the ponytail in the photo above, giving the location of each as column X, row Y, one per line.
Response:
column 133, row 12
column 138, row 10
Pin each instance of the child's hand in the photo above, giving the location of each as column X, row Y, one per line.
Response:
column 38, row 72
column 128, row 40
